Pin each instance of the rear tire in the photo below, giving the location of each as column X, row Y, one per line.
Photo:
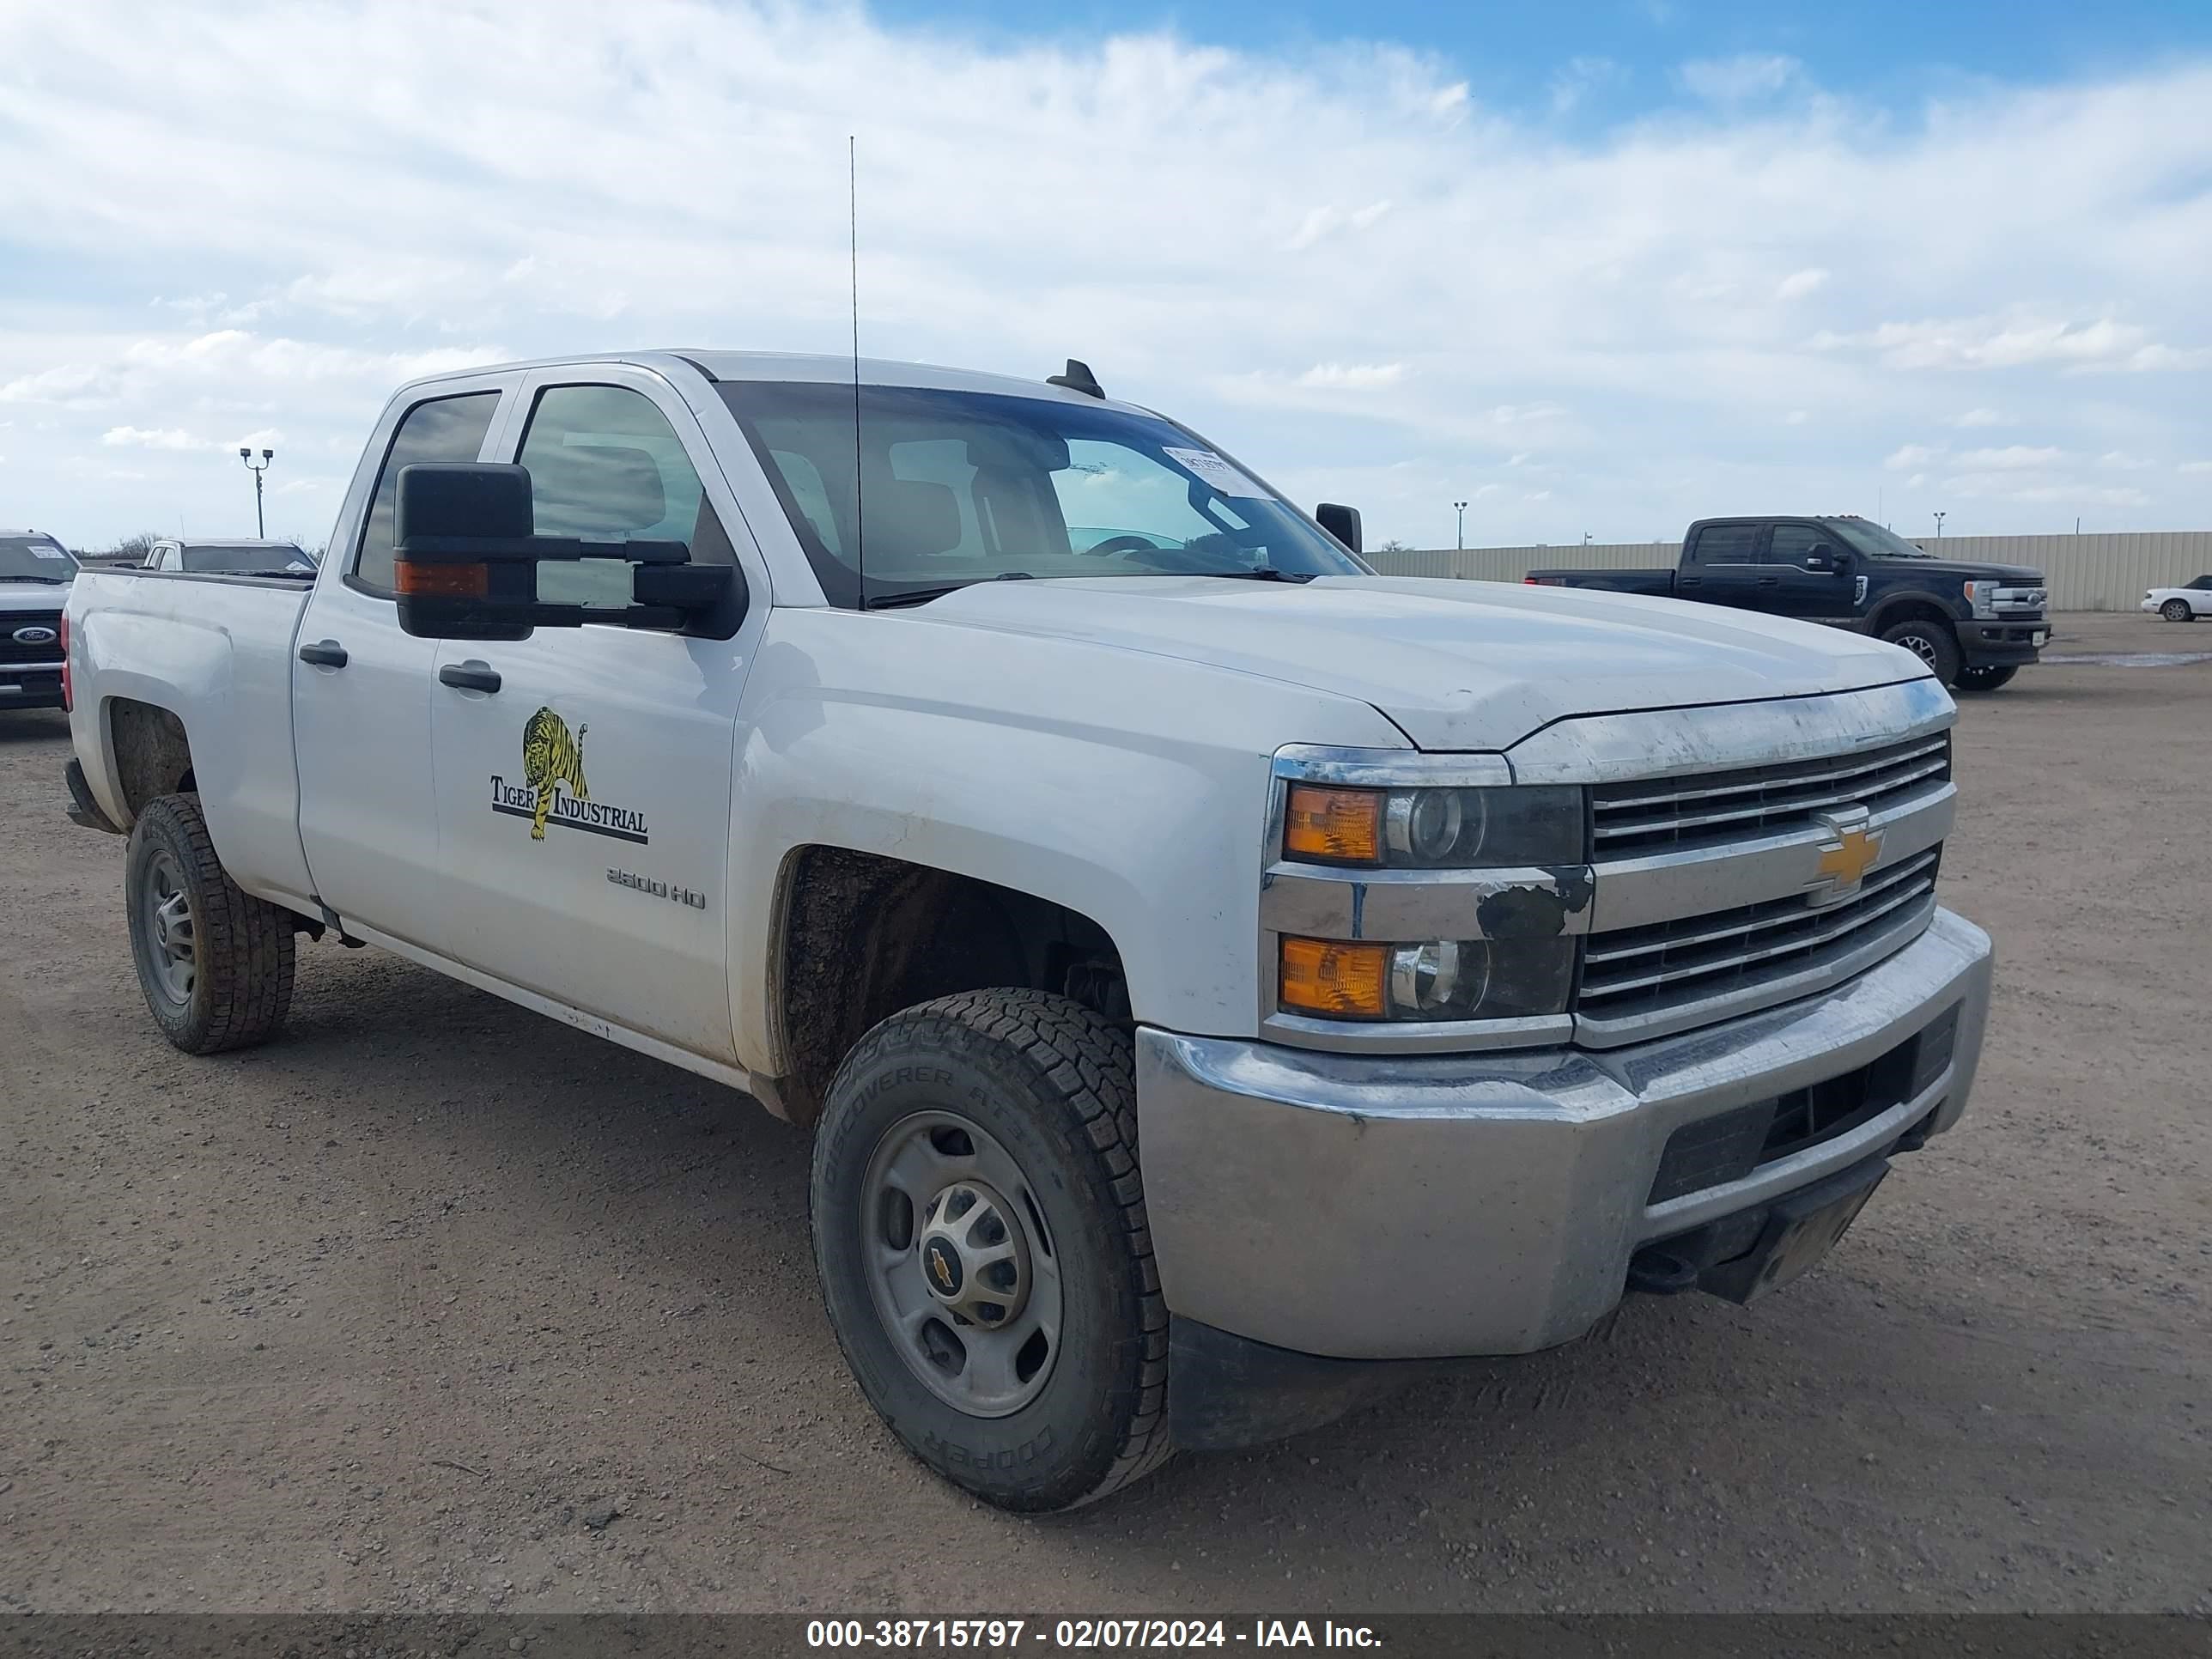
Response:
column 1934, row 643
column 215, row 963
column 1987, row 679
column 1012, row 1113
column 2177, row 611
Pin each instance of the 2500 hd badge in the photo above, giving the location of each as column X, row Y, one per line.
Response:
column 657, row 889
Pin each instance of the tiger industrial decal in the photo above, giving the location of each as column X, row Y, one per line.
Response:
column 553, row 793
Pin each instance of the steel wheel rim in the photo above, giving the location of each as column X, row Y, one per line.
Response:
column 168, row 939
column 935, row 1187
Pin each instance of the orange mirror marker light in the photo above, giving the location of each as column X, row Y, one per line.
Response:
column 1341, row 824
column 1336, row 978
column 443, row 582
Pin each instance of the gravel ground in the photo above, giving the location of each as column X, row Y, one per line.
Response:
column 435, row 1304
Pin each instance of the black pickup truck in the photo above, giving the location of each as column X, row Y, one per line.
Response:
column 1975, row 624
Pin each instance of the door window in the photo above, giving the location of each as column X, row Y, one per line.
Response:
column 1792, row 541
column 442, row 430
column 605, row 465
column 1727, row 544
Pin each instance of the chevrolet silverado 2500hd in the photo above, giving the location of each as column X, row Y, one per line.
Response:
column 1975, row 625
column 1212, row 975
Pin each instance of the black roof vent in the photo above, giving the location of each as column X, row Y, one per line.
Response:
column 1078, row 378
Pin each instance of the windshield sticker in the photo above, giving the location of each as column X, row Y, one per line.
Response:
column 53, row 553
column 1218, row 474
column 554, row 791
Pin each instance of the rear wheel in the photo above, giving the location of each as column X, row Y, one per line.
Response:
column 2177, row 611
column 980, row 1231
column 215, row 963
column 1933, row 643
column 1987, row 679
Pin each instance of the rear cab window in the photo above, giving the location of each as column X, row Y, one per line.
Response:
column 1726, row 544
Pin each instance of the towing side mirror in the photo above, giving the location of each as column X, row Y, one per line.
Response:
column 465, row 561
column 1824, row 560
column 1342, row 522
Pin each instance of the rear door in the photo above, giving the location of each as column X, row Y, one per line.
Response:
column 1721, row 565
column 584, row 775
column 361, row 689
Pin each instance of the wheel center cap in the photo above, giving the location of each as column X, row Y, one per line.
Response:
column 973, row 1254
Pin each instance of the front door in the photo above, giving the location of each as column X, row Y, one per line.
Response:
column 584, row 773
column 361, row 690
column 1817, row 595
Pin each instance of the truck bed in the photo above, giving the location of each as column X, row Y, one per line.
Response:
column 1660, row 580
column 218, row 649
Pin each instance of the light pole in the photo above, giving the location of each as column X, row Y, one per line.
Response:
column 1939, row 527
column 245, row 454
column 1461, row 538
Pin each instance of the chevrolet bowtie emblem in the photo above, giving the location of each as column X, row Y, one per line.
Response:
column 1851, row 852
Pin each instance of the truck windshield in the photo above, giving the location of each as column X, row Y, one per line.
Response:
column 35, row 559
column 962, row 487
column 246, row 558
column 1871, row 539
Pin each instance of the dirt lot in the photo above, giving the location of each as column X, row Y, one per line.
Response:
column 374, row 1318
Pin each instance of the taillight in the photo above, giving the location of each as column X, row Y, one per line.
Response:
column 68, row 699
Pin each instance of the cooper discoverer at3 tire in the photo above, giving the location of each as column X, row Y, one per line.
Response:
column 979, row 1228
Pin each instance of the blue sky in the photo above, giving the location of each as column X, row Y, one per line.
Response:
column 1599, row 269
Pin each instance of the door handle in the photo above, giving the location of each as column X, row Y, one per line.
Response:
column 470, row 676
column 1770, row 582
column 1689, row 581
column 324, row 653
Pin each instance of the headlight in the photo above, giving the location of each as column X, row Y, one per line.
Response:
column 1443, row 828
column 1440, row 979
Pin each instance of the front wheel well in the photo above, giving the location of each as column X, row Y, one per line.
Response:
column 1905, row 611
column 862, row 936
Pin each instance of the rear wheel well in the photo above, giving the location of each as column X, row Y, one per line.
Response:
column 153, row 755
column 863, row 936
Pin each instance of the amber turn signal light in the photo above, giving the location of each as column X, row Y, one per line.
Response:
column 1342, row 825
column 1334, row 978
column 440, row 582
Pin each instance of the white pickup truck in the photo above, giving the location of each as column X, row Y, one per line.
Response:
column 1213, row 974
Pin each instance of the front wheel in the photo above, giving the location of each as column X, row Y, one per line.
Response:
column 1987, row 679
column 980, row 1231
column 2177, row 611
column 1933, row 643
column 215, row 962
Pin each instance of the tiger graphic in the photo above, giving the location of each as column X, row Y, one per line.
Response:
column 550, row 756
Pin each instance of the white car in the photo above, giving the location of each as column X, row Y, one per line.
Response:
column 2181, row 603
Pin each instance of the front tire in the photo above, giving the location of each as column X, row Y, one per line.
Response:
column 2177, row 611
column 215, row 963
column 1934, row 643
column 1987, row 679
column 980, row 1232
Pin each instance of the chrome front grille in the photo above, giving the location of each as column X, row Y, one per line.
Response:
column 1648, row 815
column 1639, row 970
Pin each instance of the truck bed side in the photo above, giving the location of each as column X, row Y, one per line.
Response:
column 184, row 680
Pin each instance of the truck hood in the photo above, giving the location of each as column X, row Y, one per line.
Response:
column 1969, row 570
column 1455, row 665
column 31, row 596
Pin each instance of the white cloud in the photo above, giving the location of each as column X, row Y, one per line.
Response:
column 1248, row 217
column 1981, row 417
column 1355, row 377
column 1910, row 455
column 2194, row 466
column 1582, row 78
column 2119, row 460
column 1734, row 80
column 1798, row 283
column 155, row 438
column 1987, row 342
column 2013, row 457
column 1795, row 417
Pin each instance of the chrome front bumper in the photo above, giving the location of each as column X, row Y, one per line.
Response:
column 1403, row 1207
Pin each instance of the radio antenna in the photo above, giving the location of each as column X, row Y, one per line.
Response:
column 853, row 234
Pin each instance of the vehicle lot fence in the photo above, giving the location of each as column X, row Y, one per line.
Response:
column 2086, row 573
